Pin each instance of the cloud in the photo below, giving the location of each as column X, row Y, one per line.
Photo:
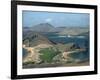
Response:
column 48, row 20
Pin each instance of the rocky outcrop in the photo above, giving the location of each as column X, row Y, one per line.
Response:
column 33, row 39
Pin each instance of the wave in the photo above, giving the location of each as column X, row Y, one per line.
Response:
column 69, row 36
column 80, row 36
column 62, row 36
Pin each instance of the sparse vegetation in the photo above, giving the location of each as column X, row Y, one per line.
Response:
column 47, row 54
column 45, row 47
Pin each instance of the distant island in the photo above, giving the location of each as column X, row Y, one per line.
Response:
column 45, row 45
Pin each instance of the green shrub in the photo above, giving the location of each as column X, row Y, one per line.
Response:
column 47, row 54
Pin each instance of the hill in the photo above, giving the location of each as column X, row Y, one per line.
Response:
column 32, row 39
column 42, row 27
column 74, row 31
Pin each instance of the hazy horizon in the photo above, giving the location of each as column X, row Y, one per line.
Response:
column 57, row 19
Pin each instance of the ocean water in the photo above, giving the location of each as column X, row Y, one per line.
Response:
column 81, row 41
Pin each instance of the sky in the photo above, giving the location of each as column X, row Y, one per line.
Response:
column 57, row 19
